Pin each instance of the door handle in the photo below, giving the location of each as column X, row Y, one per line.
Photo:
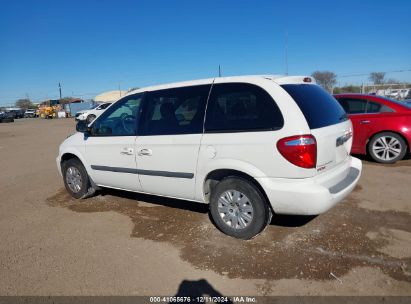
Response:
column 145, row 152
column 127, row 151
column 364, row 122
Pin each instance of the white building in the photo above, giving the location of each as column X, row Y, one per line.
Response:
column 110, row 96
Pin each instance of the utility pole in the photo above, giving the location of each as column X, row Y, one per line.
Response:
column 119, row 91
column 219, row 71
column 60, row 89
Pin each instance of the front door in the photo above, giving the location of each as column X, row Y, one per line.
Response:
column 169, row 140
column 110, row 150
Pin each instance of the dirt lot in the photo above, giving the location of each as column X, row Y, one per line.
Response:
column 121, row 243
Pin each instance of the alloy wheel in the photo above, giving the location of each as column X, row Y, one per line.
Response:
column 386, row 148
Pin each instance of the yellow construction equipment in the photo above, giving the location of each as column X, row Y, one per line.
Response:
column 48, row 109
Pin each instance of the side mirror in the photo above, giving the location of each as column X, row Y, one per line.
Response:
column 83, row 127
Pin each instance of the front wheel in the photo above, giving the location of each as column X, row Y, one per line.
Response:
column 238, row 208
column 76, row 179
column 387, row 148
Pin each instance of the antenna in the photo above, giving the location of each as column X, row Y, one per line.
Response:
column 219, row 71
column 286, row 53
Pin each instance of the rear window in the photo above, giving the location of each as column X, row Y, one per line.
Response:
column 319, row 107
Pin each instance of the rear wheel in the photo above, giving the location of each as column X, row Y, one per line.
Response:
column 238, row 208
column 387, row 148
column 76, row 179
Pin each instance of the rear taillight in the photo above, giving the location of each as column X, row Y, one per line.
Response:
column 300, row 150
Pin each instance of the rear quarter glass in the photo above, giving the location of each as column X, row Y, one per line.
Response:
column 320, row 109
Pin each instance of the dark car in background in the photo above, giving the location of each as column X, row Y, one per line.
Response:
column 382, row 127
column 16, row 113
column 6, row 117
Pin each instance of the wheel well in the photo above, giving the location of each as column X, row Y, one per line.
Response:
column 399, row 134
column 67, row 156
column 214, row 177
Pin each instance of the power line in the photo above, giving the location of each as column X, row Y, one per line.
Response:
column 52, row 95
column 366, row 74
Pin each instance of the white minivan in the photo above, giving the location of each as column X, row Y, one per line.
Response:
column 249, row 146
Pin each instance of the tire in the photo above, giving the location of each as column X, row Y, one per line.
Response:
column 387, row 148
column 90, row 118
column 76, row 179
column 244, row 191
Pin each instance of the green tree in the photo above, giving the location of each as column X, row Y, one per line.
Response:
column 347, row 89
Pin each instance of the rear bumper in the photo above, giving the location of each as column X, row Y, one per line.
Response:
column 311, row 196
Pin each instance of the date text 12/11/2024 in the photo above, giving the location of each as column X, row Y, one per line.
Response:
column 203, row 299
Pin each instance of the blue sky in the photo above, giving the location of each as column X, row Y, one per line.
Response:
column 95, row 46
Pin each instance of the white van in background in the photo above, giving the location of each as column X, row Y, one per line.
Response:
column 91, row 114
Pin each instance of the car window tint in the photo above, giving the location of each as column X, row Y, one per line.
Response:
column 353, row 105
column 175, row 111
column 373, row 107
column 241, row 107
column 120, row 119
column 385, row 109
column 104, row 106
column 319, row 108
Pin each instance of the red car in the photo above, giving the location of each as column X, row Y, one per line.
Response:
column 382, row 127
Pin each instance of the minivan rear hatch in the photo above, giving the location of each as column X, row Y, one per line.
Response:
column 327, row 121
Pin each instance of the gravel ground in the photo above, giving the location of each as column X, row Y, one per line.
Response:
column 121, row 243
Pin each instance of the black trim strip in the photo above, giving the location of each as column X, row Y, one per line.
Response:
column 166, row 173
column 114, row 169
column 211, row 131
column 144, row 172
